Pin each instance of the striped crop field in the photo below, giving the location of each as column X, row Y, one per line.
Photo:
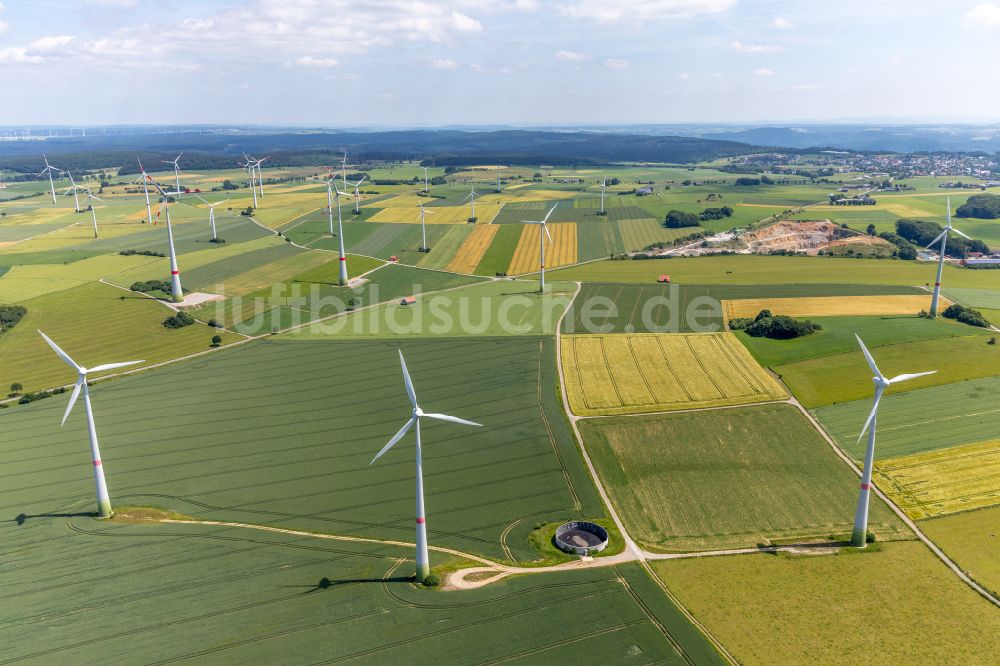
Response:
column 446, row 247
column 472, row 249
column 401, row 201
column 485, row 212
column 636, row 373
column 936, row 483
column 638, row 234
column 830, row 306
column 560, row 252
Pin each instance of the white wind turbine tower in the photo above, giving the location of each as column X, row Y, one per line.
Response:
column 343, row 169
column 943, row 237
column 423, row 228
column 499, row 189
column 103, row 500
column 76, row 190
column 211, row 213
column 425, row 183
column 177, row 170
column 260, row 176
column 423, row 559
column 93, row 210
column 357, row 194
column 860, row 533
column 472, row 199
column 144, row 177
column 543, row 233
column 249, row 165
column 604, row 184
column 49, row 169
column 333, row 193
column 176, row 292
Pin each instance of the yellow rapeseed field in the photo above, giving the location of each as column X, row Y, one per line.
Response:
column 472, row 249
column 653, row 372
column 830, row 306
column 560, row 252
column 935, row 483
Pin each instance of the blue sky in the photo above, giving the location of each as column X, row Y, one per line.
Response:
column 394, row 62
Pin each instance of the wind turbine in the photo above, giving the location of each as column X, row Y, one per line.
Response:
column 249, row 167
column 103, row 501
column 93, row 211
column 49, row 169
column 423, row 228
column 76, row 190
column 425, row 182
column 499, row 189
column 176, row 293
column 211, row 213
column 604, row 184
column 357, row 195
column 144, row 177
column 260, row 176
column 943, row 237
column 177, row 170
column 858, row 536
column 343, row 169
column 543, row 233
column 423, row 560
column 472, row 198
column 331, row 188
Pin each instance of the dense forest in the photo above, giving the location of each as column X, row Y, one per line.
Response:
column 983, row 206
column 923, row 232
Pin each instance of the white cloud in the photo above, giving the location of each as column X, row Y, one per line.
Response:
column 18, row 55
column 464, row 23
column 895, row 59
column 51, row 44
column 571, row 55
column 526, row 5
column 642, row 10
column 311, row 61
column 685, row 75
column 763, row 71
column 348, row 76
column 985, row 15
column 4, row 27
column 617, row 63
column 444, row 63
column 781, row 23
column 754, row 48
column 119, row 47
column 118, row 4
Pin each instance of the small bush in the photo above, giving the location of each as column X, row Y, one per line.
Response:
column 145, row 253
column 15, row 388
column 965, row 315
column 216, row 340
column 217, row 240
column 179, row 320
column 870, row 537
column 777, row 327
column 432, row 580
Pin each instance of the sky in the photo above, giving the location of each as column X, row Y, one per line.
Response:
column 340, row 63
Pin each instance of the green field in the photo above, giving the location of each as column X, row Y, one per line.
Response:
column 971, row 539
column 899, row 603
column 923, row 420
column 497, row 257
column 845, row 377
column 837, row 336
column 725, row 479
column 491, row 308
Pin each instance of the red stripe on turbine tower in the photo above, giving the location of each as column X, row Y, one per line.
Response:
column 343, row 258
column 97, row 463
column 937, row 284
column 420, row 521
column 175, row 272
column 865, row 486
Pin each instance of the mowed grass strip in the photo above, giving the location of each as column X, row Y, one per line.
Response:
column 472, row 249
column 917, row 421
column 634, row 373
column 560, row 251
column 830, row 306
column 846, row 377
column 899, row 601
column 726, row 479
column 496, row 259
column 444, row 250
column 935, row 483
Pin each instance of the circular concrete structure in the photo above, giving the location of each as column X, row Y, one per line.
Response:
column 581, row 537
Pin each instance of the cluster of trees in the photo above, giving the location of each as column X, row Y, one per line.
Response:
column 179, row 320
column 715, row 213
column 747, row 182
column 776, row 327
column 983, row 206
column 151, row 285
column 922, row 232
column 678, row 219
column 10, row 315
column 32, row 397
column 145, row 253
column 965, row 315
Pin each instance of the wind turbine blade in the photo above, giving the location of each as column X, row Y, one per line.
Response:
column 72, row 399
column 112, row 366
column 871, row 415
column 939, row 237
column 452, row 419
column 547, row 234
column 912, row 375
column 868, row 357
column 406, row 379
column 59, row 352
column 398, row 436
column 202, row 200
column 960, row 233
column 360, row 181
column 546, row 218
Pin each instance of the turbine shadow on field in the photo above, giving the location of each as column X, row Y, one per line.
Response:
column 326, row 584
column 21, row 518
